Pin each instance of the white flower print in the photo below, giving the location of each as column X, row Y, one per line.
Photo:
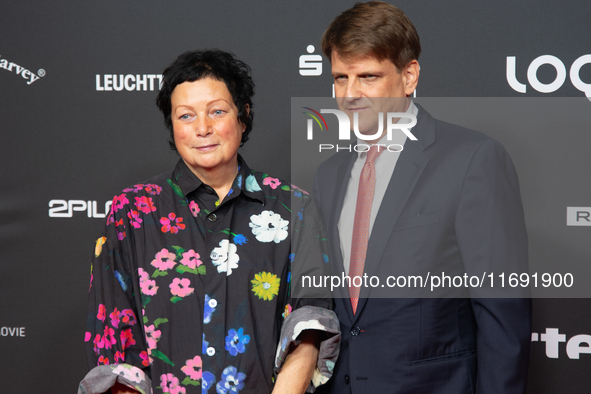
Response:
column 225, row 257
column 269, row 226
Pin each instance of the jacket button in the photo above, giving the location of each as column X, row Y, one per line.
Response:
column 346, row 379
column 355, row 331
column 212, row 217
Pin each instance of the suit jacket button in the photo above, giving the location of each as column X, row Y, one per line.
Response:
column 355, row 331
column 346, row 379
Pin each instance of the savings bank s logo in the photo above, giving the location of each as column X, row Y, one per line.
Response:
column 345, row 128
column 310, row 65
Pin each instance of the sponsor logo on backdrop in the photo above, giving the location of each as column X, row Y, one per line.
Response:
column 128, row 82
column 560, row 68
column 21, row 71
column 310, row 65
column 68, row 208
column 345, row 128
column 575, row 346
column 578, row 216
column 12, row 332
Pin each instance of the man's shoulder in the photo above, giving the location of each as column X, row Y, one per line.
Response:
column 454, row 138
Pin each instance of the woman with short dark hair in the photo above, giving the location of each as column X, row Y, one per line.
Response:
column 190, row 286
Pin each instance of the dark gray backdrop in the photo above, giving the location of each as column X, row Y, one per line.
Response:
column 64, row 140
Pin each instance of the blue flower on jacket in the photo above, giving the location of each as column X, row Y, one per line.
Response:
column 204, row 346
column 291, row 257
column 240, row 239
column 122, row 280
column 207, row 381
column 251, row 184
column 236, row 341
column 232, row 381
column 208, row 309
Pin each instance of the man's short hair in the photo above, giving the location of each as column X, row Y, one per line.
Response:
column 373, row 29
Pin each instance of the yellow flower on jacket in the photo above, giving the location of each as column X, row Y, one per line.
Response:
column 99, row 246
column 265, row 285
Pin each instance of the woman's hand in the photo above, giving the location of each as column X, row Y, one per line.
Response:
column 299, row 365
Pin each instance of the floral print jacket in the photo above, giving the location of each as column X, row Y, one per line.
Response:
column 190, row 295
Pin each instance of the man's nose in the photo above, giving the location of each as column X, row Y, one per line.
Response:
column 353, row 90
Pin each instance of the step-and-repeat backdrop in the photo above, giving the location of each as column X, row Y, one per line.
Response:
column 78, row 121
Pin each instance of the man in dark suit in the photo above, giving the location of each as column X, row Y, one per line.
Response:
column 448, row 203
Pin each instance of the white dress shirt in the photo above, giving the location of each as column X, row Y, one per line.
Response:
column 384, row 165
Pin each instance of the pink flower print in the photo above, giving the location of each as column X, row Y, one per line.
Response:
column 143, row 274
column 299, row 189
column 180, row 287
column 134, row 219
column 114, row 316
column 153, row 189
column 119, row 356
column 152, row 337
column 135, row 188
column 148, row 287
column 87, row 336
column 164, row 260
column 119, row 202
column 145, row 358
column 192, row 368
column 194, row 208
column 120, row 234
column 145, row 204
column 172, row 223
column 128, row 317
column 109, row 338
column 127, row 339
column 103, row 360
column 110, row 218
column 98, row 343
column 273, row 182
column 191, row 259
column 102, row 313
column 170, row 384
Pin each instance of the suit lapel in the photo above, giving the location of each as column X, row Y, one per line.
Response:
column 408, row 170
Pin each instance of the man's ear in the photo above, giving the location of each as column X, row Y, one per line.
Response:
column 411, row 77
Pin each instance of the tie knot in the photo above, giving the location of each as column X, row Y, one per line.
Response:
column 373, row 153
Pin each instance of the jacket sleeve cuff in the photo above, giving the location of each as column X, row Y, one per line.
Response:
column 311, row 318
column 101, row 378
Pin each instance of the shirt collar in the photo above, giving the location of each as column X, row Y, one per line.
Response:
column 189, row 182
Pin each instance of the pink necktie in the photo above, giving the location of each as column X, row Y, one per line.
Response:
column 367, row 183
